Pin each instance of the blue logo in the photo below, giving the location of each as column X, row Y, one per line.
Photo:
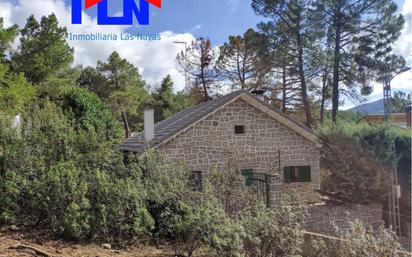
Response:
column 130, row 9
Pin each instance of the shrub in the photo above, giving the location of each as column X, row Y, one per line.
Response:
column 274, row 231
column 90, row 114
column 359, row 241
column 228, row 240
column 62, row 199
column 118, row 211
column 185, row 219
column 52, row 176
column 362, row 157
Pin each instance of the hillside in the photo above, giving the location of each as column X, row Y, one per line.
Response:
column 375, row 107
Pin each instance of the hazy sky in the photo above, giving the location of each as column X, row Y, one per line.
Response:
column 181, row 20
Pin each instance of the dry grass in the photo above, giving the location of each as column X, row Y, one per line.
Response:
column 58, row 248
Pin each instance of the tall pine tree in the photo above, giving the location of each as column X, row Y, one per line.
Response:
column 358, row 29
column 43, row 49
column 294, row 15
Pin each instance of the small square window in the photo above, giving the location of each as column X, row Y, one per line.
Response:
column 239, row 129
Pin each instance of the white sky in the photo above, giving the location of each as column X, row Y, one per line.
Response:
column 157, row 59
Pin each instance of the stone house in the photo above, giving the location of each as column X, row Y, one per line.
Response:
column 275, row 152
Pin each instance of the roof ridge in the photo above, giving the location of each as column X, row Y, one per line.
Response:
column 180, row 121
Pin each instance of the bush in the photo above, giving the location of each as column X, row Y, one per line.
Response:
column 228, row 241
column 90, row 114
column 52, row 176
column 62, row 198
column 185, row 219
column 274, row 231
column 118, row 211
column 359, row 241
column 362, row 157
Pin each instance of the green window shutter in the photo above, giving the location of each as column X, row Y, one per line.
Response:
column 248, row 174
column 287, row 174
column 304, row 174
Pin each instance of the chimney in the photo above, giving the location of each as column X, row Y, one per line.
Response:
column 148, row 124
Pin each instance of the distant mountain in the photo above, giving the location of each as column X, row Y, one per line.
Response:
column 370, row 108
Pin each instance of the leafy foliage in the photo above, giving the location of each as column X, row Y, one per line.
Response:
column 187, row 220
column 7, row 35
column 121, row 86
column 167, row 102
column 400, row 101
column 274, row 232
column 15, row 91
column 242, row 61
column 90, row 113
column 54, row 175
column 359, row 241
column 43, row 49
column 362, row 157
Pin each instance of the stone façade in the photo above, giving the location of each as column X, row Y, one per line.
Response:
column 210, row 143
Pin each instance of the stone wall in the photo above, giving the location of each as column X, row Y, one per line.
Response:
column 266, row 147
column 323, row 218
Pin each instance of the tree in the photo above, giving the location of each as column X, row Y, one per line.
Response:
column 400, row 101
column 63, row 78
column 241, row 60
column 121, row 86
column 357, row 29
column 124, row 87
column 43, row 49
column 283, row 64
column 93, row 80
column 119, row 74
column 198, row 61
column 7, row 35
column 293, row 14
column 15, row 92
column 165, row 99
column 168, row 102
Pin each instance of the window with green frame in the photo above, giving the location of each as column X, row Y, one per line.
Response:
column 248, row 174
column 297, row 174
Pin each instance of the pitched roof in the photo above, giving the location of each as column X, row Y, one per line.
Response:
column 183, row 120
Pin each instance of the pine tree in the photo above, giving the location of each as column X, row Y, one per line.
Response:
column 43, row 49
column 167, row 102
column 358, row 29
column 165, row 99
column 7, row 35
column 293, row 14
column 241, row 61
column 121, row 86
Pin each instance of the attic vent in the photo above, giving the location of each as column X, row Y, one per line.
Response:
column 239, row 129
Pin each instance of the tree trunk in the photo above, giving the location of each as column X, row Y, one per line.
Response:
column 125, row 125
column 202, row 77
column 336, row 65
column 324, row 89
column 305, row 100
column 284, row 97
